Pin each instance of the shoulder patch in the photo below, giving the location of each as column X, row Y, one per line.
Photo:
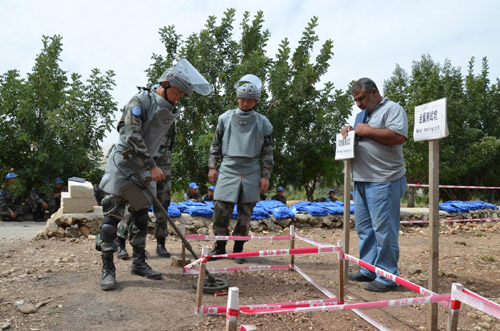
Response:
column 137, row 110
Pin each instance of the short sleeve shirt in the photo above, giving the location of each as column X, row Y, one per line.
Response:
column 377, row 162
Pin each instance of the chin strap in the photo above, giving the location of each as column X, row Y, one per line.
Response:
column 165, row 88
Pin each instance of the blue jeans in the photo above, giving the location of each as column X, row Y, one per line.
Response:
column 377, row 218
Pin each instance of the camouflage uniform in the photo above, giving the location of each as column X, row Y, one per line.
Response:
column 223, row 209
column 130, row 127
column 207, row 197
column 10, row 202
column 35, row 205
column 54, row 201
column 279, row 198
column 163, row 191
column 196, row 196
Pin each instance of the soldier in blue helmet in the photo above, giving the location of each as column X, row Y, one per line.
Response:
column 193, row 193
column 11, row 205
column 210, row 195
column 331, row 196
column 279, row 195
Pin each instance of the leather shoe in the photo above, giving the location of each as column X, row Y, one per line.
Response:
column 379, row 287
column 359, row 277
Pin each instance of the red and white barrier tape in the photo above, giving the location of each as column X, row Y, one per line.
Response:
column 474, row 300
column 361, row 305
column 283, row 252
column 202, row 259
column 452, row 221
column 409, row 285
column 459, row 186
column 219, row 310
column 202, row 237
column 234, row 269
column 312, row 242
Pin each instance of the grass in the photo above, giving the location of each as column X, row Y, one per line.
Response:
column 487, row 258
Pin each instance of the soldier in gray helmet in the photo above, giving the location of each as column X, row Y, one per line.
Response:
column 243, row 136
column 145, row 121
column 163, row 193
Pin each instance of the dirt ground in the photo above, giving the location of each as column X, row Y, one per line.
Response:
column 60, row 278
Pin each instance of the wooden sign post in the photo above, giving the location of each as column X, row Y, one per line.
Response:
column 431, row 125
column 345, row 151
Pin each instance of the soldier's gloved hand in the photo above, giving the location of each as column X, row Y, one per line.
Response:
column 264, row 185
column 156, row 174
column 212, row 175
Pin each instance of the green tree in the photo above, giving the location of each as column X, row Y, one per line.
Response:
column 470, row 154
column 305, row 117
column 51, row 124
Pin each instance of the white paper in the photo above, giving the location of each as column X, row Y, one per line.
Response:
column 345, row 146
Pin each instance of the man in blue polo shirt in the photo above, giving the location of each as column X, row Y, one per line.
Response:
column 378, row 173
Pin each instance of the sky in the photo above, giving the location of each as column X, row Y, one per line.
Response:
column 369, row 37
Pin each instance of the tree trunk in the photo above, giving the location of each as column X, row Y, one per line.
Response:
column 411, row 197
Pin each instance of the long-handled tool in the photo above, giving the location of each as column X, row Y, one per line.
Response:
column 211, row 284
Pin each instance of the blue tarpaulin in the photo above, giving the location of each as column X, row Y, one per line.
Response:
column 277, row 208
column 196, row 208
column 456, row 206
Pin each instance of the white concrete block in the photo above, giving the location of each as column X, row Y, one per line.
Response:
column 81, row 190
column 76, row 205
column 98, row 210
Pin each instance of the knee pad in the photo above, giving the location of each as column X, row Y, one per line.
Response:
column 108, row 229
column 141, row 218
column 107, row 232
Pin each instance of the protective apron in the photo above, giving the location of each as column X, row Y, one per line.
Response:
column 159, row 117
column 239, row 173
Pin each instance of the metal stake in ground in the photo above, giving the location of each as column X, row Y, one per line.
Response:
column 211, row 282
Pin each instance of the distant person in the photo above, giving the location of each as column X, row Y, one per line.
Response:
column 331, row 196
column 210, row 195
column 242, row 139
column 37, row 205
column 54, row 197
column 192, row 194
column 279, row 195
column 378, row 173
column 11, row 204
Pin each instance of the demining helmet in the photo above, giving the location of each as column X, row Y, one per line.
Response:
column 250, row 89
column 186, row 78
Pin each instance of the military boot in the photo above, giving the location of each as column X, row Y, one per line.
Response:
column 121, row 251
column 140, row 267
column 160, row 248
column 108, row 280
column 219, row 248
column 238, row 248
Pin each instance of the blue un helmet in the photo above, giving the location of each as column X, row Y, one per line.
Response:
column 280, row 189
column 58, row 181
column 211, row 188
column 11, row 175
column 193, row 185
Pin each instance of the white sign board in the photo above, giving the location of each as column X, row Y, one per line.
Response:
column 430, row 121
column 345, row 146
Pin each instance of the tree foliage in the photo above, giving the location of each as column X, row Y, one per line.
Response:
column 305, row 117
column 51, row 122
column 470, row 154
